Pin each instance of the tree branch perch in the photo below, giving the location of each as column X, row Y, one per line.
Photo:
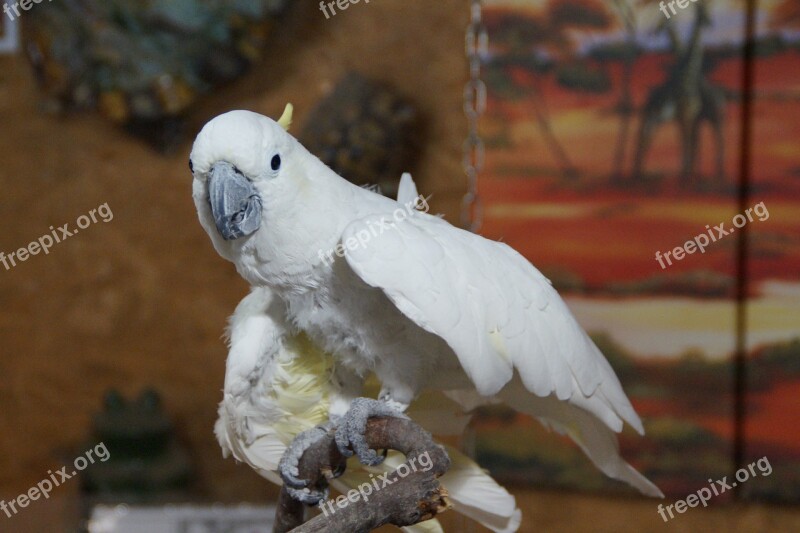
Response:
column 403, row 501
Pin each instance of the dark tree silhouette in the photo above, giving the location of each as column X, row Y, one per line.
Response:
column 627, row 54
column 529, row 47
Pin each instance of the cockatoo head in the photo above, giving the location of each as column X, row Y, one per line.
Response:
column 266, row 202
column 238, row 157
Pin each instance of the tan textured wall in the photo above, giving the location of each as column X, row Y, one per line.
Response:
column 143, row 299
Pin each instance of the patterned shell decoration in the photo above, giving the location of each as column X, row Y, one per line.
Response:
column 366, row 133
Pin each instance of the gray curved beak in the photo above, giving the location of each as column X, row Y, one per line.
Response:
column 235, row 202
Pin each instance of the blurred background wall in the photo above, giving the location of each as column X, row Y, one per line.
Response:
column 143, row 299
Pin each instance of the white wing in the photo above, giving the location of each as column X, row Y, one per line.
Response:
column 491, row 306
column 499, row 313
column 246, row 415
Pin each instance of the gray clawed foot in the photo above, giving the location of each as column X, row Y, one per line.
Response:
column 350, row 436
column 290, row 468
column 350, row 439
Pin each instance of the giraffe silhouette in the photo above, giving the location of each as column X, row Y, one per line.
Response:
column 687, row 97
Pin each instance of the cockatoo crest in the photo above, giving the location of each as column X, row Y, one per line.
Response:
column 286, row 117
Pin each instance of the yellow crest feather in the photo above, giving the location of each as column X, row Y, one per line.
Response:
column 286, row 119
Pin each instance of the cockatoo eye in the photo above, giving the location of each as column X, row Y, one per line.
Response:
column 191, row 166
column 276, row 162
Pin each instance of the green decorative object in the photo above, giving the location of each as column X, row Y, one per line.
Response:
column 146, row 464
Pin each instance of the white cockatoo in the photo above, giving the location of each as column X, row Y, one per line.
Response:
column 390, row 290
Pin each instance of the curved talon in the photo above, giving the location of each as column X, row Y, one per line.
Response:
column 291, row 479
column 343, row 442
column 350, row 437
column 290, row 463
column 308, row 496
column 341, row 469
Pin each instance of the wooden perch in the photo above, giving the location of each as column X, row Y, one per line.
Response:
column 402, row 500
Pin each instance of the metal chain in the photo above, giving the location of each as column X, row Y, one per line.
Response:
column 473, row 156
column 474, row 150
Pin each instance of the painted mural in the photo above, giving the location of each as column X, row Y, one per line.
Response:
column 614, row 135
column 772, row 268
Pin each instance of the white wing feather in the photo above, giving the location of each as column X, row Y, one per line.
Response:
column 407, row 190
column 499, row 313
column 244, row 427
column 492, row 307
column 476, row 495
